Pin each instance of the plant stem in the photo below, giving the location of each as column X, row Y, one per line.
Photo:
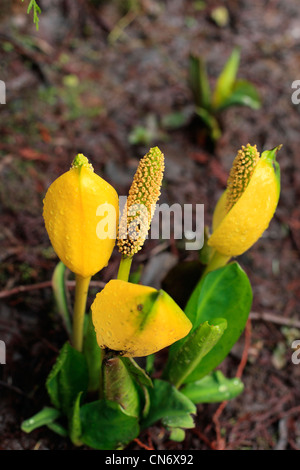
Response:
column 124, row 268
column 216, row 261
column 81, row 291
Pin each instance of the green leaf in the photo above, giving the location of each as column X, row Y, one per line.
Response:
column 136, row 275
column 223, row 293
column 119, row 385
column 213, row 388
column 60, row 295
column 68, row 377
column 175, row 120
column 137, row 373
column 75, row 422
column 210, row 121
column 46, row 416
column 177, row 434
column 142, row 380
column 184, row 421
column 167, row 402
column 36, row 11
column 206, row 251
column 150, row 360
column 92, row 352
column 226, row 80
column 199, row 82
column 270, row 157
column 243, row 94
column 193, row 350
column 58, row 429
column 106, row 427
column 146, row 398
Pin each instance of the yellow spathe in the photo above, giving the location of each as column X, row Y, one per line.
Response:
column 236, row 231
column 137, row 320
column 70, row 212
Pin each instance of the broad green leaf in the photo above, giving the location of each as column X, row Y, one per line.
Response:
column 75, row 422
column 119, row 385
column 60, row 295
column 243, row 94
column 92, row 353
column 106, row 427
column 68, row 377
column 213, row 388
column 199, row 82
column 223, row 293
column 210, row 121
column 226, row 292
column 189, row 356
column 166, row 402
column 46, row 416
column 226, row 79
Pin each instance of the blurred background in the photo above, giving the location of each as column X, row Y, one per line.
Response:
column 110, row 79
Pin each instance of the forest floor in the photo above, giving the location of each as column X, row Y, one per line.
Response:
column 110, row 83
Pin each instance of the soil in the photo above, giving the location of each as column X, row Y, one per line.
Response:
column 93, row 73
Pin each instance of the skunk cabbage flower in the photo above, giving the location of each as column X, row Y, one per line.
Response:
column 246, row 208
column 72, row 206
column 136, row 320
column 143, row 195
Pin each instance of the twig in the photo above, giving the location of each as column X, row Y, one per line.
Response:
column 43, row 285
column 19, row 289
column 270, row 317
column 12, row 388
column 119, row 28
column 220, row 442
column 141, row 444
column 203, row 438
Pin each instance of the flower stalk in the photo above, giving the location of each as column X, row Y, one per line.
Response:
column 81, row 292
column 124, row 268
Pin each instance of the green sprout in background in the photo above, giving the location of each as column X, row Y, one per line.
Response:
column 36, row 11
column 229, row 91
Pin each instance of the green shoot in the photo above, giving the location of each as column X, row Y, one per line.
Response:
column 229, row 91
column 36, row 11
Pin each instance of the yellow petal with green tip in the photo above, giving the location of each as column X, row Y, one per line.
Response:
column 137, row 320
column 237, row 230
column 70, row 214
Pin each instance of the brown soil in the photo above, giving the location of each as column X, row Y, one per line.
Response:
column 134, row 72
